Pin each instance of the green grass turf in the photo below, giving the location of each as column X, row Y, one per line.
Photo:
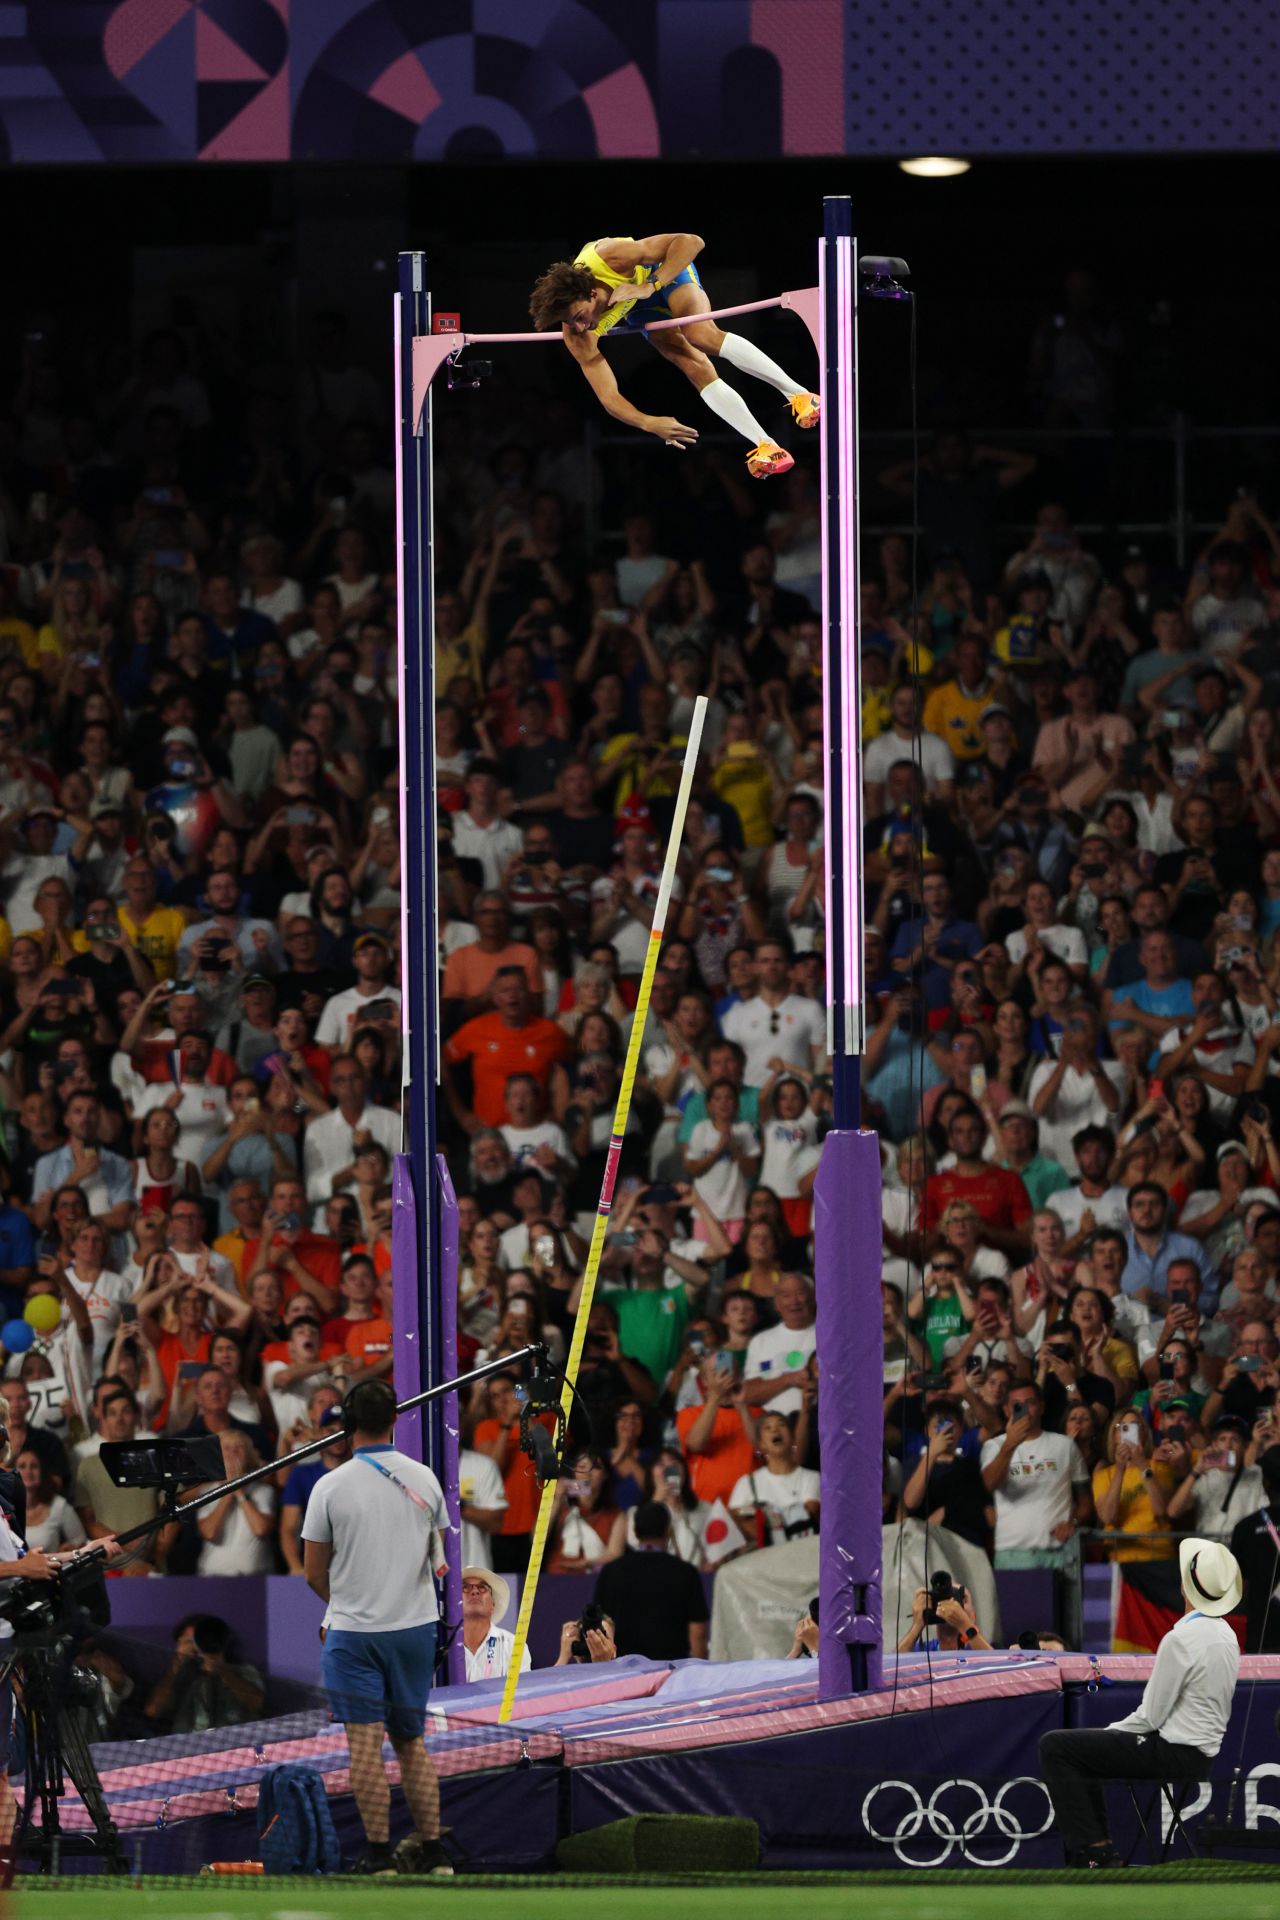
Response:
column 1253, row 1895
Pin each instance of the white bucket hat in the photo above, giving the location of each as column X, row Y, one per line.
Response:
column 497, row 1586
column 1210, row 1576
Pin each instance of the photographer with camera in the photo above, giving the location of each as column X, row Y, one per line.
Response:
column 587, row 1640
column 369, row 1552
column 946, row 1608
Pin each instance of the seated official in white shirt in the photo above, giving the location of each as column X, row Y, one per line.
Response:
column 1181, row 1721
column 486, row 1597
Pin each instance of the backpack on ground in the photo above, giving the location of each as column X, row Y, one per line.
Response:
column 296, row 1833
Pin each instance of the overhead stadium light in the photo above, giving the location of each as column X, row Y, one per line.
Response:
column 934, row 166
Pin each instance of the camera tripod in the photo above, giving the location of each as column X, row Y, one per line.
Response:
column 42, row 1664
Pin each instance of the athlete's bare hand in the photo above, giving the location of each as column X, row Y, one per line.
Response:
column 644, row 292
column 671, row 433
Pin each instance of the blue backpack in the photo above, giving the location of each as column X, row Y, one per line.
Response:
column 296, row 1833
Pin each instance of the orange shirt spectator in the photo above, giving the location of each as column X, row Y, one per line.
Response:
column 321, row 1256
column 172, row 1353
column 496, row 1050
column 714, row 1473
column 519, row 1481
column 370, row 1341
column 469, row 970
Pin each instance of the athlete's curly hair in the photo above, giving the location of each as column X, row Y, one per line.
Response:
column 556, row 292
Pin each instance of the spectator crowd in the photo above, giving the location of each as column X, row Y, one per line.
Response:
column 1072, row 892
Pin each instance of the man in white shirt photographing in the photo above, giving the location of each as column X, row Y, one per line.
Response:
column 369, row 1551
column 1179, row 1725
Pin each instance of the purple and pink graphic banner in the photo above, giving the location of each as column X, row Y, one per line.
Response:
column 399, row 80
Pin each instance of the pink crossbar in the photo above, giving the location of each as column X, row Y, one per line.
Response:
column 431, row 350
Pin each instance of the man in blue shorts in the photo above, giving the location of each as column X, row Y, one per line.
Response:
column 620, row 283
column 369, row 1551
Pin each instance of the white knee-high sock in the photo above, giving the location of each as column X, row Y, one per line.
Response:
column 733, row 409
column 748, row 359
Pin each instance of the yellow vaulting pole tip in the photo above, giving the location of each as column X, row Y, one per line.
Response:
column 542, row 1525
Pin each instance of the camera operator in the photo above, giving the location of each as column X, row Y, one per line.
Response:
column 369, row 1552
column 946, row 1608
column 17, row 1562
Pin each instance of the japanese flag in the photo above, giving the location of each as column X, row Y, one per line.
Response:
column 721, row 1536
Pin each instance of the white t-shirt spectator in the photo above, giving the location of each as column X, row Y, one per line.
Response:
column 780, row 1497
column 1224, row 1049
column 479, row 1485
column 790, row 1149
column 780, row 1350
column 1108, row 1209
column 201, row 1115
column 343, row 1013
column 525, row 1141
column 1222, row 1498
column 102, row 1299
column 795, row 1031
column 492, row 846
column 1076, row 1104
column 238, row 1548
column 63, row 1527
column 1035, row 1495
column 329, row 1146
column 933, row 756
column 1066, row 942
column 287, row 600
column 1220, row 625
column 724, row 1185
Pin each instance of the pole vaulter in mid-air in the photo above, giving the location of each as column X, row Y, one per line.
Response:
column 622, row 285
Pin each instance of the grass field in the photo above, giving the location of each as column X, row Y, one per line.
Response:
column 1183, row 1893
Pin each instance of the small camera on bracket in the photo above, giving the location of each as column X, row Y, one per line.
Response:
column 466, row 373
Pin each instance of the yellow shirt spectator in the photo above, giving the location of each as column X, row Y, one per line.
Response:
column 157, row 938
column 952, row 713
column 743, row 779
column 18, row 636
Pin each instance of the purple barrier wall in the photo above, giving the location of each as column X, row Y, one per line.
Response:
column 405, row 1305
column 850, row 1421
column 450, row 1423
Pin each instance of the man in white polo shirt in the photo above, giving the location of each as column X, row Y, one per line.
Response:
column 369, row 1552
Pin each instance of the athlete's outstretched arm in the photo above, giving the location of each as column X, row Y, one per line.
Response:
column 600, row 377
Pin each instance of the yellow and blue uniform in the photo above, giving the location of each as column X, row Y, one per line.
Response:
column 654, row 308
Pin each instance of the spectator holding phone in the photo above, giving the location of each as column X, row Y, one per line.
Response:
column 1224, row 1483
column 1132, row 1492
column 1042, row 1494
column 945, row 1487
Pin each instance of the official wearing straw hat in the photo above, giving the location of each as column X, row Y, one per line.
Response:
column 486, row 1598
column 1180, row 1724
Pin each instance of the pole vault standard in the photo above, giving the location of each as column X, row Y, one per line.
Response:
column 847, row 1191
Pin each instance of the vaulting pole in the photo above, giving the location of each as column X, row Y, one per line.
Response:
column 529, row 1588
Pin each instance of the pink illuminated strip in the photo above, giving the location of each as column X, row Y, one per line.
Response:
column 851, row 676
column 400, row 672
column 845, row 802
column 827, row 743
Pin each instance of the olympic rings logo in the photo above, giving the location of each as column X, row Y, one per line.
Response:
column 928, row 1813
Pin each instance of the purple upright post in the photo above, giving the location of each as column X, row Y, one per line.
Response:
column 407, row 1365
column 450, row 1424
column 850, row 1412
